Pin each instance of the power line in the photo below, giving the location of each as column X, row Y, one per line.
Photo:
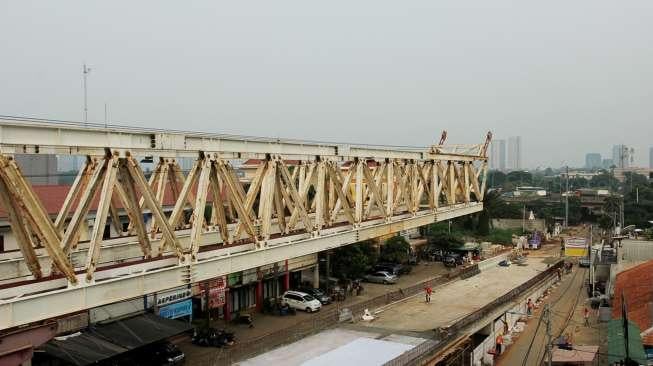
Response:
column 530, row 346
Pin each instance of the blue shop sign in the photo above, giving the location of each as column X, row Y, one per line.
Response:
column 177, row 310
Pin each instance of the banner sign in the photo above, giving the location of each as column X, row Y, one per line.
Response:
column 576, row 247
column 217, row 298
column 177, row 310
column 216, row 288
column 168, row 297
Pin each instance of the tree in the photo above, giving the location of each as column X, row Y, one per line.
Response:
column 491, row 200
column 520, row 178
column 395, row 250
column 445, row 240
column 496, row 178
column 605, row 222
column 352, row 261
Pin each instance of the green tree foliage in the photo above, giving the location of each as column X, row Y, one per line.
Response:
column 491, row 200
column 604, row 180
column 496, row 178
column 605, row 222
column 521, row 178
column 638, row 201
column 575, row 211
column 445, row 240
column 352, row 261
column 395, row 250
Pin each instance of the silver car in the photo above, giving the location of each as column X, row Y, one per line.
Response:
column 381, row 277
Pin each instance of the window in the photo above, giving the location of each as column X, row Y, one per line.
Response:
column 2, row 243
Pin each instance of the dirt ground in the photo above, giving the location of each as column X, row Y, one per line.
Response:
column 568, row 301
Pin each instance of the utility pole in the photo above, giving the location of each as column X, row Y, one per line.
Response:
column 549, row 341
column 567, row 199
column 85, row 71
column 523, row 219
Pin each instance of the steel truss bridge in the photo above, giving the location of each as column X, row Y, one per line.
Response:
column 305, row 197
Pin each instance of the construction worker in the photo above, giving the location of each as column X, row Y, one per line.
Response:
column 428, row 291
column 586, row 316
column 499, row 343
column 529, row 307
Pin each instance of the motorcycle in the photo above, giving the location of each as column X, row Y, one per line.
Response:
column 212, row 337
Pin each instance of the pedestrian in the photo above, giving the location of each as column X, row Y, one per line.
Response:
column 499, row 344
column 428, row 291
column 586, row 316
column 529, row 307
column 559, row 274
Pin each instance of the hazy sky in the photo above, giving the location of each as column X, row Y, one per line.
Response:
column 568, row 76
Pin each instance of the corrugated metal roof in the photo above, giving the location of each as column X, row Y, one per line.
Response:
column 617, row 344
column 103, row 342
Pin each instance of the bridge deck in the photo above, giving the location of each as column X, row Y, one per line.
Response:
column 456, row 300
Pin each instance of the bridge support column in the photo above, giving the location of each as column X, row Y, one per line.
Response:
column 316, row 276
column 286, row 278
column 18, row 347
column 259, row 295
column 227, row 305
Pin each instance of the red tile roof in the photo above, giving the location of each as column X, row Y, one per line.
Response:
column 53, row 196
column 257, row 162
column 637, row 286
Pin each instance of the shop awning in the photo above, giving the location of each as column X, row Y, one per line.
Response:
column 82, row 349
column 105, row 341
column 141, row 330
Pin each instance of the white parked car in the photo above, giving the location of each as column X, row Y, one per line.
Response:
column 301, row 301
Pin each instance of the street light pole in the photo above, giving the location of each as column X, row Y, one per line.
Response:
column 85, row 71
column 567, row 199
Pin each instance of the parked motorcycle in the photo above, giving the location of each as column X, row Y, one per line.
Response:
column 211, row 337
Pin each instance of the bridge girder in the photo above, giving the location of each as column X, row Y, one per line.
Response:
column 330, row 186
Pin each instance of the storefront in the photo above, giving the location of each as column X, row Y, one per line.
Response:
column 173, row 304
column 241, row 292
column 177, row 310
column 303, row 271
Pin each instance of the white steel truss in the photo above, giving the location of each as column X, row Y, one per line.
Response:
column 334, row 195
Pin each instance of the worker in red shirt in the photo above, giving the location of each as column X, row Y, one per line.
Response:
column 499, row 344
column 428, row 291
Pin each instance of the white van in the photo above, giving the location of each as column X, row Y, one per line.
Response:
column 301, row 301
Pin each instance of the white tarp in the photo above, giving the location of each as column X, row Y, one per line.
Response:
column 361, row 352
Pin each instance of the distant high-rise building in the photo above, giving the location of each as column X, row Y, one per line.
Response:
column 621, row 156
column 514, row 153
column 498, row 155
column 592, row 160
column 607, row 163
column 650, row 158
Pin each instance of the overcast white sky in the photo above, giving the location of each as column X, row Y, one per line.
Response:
column 568, row 76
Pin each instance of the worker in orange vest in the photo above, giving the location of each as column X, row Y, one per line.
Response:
column 499, row 344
